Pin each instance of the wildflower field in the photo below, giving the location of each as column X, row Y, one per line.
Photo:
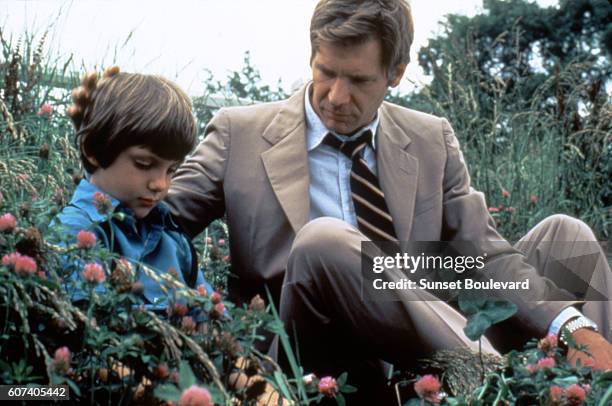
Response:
column 534, row 147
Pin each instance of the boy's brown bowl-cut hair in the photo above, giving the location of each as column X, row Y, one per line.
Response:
column 128, row 109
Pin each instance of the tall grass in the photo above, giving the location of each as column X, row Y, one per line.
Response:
column 533, row 152
column 531, row 158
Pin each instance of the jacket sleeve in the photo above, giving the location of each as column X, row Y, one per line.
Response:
column 196, row 194
column 466, row 219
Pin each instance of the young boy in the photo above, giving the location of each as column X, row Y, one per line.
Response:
column 133, row 131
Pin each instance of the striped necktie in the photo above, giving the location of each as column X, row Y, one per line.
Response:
column 373, row 218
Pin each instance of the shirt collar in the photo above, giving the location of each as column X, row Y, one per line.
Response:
column 83, row 198
column 316, row 130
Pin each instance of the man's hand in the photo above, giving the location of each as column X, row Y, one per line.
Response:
column 599, row 348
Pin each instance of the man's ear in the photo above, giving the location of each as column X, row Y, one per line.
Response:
column 398, row 74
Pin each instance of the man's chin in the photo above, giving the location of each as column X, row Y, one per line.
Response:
column 340, row 127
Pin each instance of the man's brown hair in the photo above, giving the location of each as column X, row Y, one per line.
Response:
column 126, row 109
column 349, row 22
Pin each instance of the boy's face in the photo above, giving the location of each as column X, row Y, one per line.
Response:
column 138, row 178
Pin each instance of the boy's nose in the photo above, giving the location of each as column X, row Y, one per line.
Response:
column 160, row 183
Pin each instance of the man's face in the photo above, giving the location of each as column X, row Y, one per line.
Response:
column 349, row 84
column 138, row 178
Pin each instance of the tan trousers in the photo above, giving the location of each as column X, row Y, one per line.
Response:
column 335, row 331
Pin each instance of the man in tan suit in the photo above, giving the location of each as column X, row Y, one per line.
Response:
column 274, row 171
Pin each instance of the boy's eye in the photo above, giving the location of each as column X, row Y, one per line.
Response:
column 142, row 164
column 172, row 169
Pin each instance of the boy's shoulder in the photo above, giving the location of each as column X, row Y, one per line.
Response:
column 81, row 212
column 73, row 218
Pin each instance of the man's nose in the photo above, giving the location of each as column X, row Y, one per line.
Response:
column 339, row 93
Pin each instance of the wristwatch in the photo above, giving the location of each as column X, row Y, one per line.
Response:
column 573, row 325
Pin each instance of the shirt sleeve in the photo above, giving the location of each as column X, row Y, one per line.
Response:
column 196, row 194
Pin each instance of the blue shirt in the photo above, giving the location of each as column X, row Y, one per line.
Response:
column 155, row 240
column 330, row 186
column 330, row 169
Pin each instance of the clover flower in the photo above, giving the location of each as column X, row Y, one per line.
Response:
column 45, row 110
column 195, row 396
column 94, row 273
column 202, row 290
column 575, row 395
column 217, row 311
column 548, row 344
column 61, row 360
column 308, row 379
column 556, row 394
column 86, row 239
column 8, row 223
column 548, row 362
column 257, row 304
column 102, row 202
column 161, row 371
column 328, row 386
column 215, row 297
column 188, row 325
column 43, row 151
column 428, row 388
column 177, row 309
column 21, row 264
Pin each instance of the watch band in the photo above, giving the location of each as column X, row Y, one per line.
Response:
column 573, row 325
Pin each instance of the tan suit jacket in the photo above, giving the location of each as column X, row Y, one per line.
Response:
column 252, row 166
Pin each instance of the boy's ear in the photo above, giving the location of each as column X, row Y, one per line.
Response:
column 90, row 158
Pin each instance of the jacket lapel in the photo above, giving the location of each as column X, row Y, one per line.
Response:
column 286, row 162
column 397, row 172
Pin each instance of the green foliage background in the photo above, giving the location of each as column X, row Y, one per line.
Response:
column 526, row 88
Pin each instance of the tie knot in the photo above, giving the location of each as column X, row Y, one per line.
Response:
column 350, row 148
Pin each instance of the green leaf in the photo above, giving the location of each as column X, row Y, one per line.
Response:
column 606, row 397
column 280, row 382
column 567, row 381
column 340, row 400
column 186, row 376
column 342, row 379
column 482, row 313
column 604, row 377
column 348, row 389
column 499, row 310
column 167, row 392
column 476, row 326
column 470, row 305
column 286, row 346
column 276, row 327
column 74, row 387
